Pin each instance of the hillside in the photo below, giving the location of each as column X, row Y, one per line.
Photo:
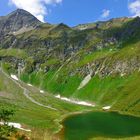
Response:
column 98, row 63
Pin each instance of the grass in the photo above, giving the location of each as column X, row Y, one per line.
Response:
column 13, row 95
column 97, row 87
column 30, row 115
column 85, row 59
column 51, row 62
column 120, row 92
column 61, row 85
column 18, row 53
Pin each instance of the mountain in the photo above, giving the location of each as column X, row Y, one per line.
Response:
column 17, row 20
column 97, row 63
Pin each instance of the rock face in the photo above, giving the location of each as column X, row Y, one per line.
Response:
column 19, row 19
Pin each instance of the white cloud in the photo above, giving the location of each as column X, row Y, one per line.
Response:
column 134, row 7
column 35, row 7
column 105, row 13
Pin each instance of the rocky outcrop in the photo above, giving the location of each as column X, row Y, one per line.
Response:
column 105, row 67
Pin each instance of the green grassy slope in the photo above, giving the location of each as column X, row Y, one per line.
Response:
column 42, row 121
column 56, row 59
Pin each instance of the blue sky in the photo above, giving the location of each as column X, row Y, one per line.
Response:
column 73, row 12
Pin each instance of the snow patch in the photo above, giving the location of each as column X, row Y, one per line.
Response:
column 96, row 72
column 122, row 74
column 42, row 91
column 57, row 96
column 84, row 103
column 82, row 28
column 85, row 81
column 65, row 99
column 14, row 77
column 106, row 107
column 30, row 85
column 15, row 125
column 75, row 101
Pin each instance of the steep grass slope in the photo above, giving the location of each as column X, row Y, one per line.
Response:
column 42, row 121
column 58, row 59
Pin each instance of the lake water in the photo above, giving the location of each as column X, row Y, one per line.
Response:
column 94, row 124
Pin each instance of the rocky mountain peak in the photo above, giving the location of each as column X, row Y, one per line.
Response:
column 16, row 21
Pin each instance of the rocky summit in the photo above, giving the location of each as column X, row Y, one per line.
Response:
column 17, row 20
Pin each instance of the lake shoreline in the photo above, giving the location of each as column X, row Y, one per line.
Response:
column 69, row 115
